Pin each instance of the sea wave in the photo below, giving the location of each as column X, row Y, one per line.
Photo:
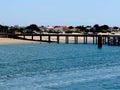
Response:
column 57, row 80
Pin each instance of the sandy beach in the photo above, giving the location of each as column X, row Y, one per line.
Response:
column 15, row 41
column 53, row 38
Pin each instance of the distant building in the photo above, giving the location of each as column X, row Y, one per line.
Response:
column 61, row 29
column 112, row 29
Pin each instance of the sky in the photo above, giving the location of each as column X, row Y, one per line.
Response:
column 60, row 12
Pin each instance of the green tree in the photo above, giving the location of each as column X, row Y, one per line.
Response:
column 115, row 27
column 33, row 27
column 71, row 27
column 96, row 28
column 3, row 29
column 81, row 28
column 104, row 27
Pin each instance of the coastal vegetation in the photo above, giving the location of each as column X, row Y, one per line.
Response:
column 33, row 28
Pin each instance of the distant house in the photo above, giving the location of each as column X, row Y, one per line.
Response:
column 61, row 29
column 88, row 28
column 49, row 28
column 111, row 29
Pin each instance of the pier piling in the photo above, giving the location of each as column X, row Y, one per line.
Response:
column 93, row 40
column 84, row 39
column 40, row 38
column 76, row 39
column 67, row 39
column 100, row 41
column 49, row 39
column 32, row 37
column 58, row 39
column 24, row 36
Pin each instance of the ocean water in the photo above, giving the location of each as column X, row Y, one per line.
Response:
column 59, row 67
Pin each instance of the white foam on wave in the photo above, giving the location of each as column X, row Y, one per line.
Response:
column 44, row 82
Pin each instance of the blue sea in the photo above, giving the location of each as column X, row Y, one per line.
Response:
column 59, row 67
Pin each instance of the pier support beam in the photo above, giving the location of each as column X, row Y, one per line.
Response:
column 96, row 40
column 86, row 40
column 40, row 37
column 49, row 39
column 105, row 40
column 108, row 40
column 76, row 39
column 32, row 37
column 58, row 39
column 67, row 39
column 93, row 40
column 24, row 36
column 114, row 40
column 100, row 41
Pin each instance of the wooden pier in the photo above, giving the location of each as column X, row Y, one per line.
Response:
column 58, row 36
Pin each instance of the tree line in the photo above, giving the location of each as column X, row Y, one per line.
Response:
column 32, row 27
column 13, row 29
